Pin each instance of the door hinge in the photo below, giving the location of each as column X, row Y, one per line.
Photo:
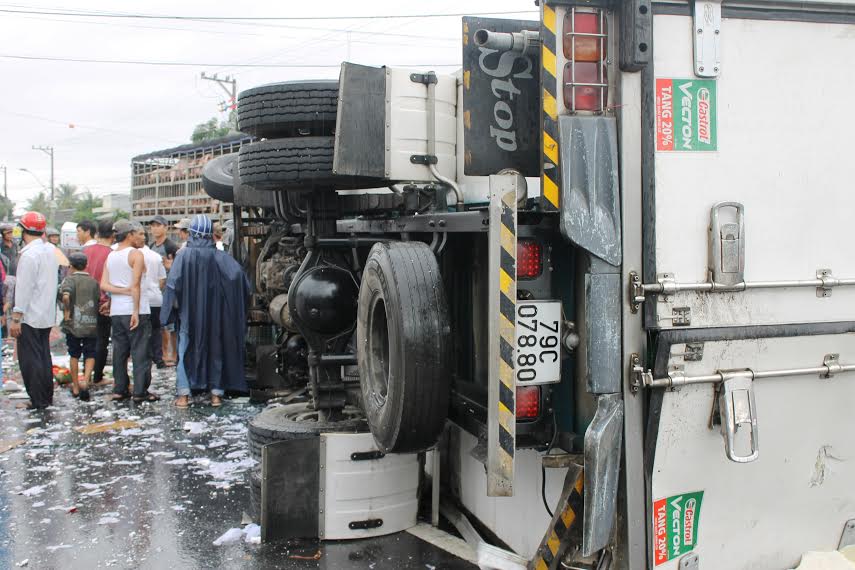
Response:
column 694, row 352
column 707, row 32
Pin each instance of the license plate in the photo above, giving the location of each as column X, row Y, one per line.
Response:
column 538, row 350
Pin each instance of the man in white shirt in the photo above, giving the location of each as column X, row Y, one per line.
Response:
column 129, row 312
column 154, row 281
column 86, row 233
column 34, row 312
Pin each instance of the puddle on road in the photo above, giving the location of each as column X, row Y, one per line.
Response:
column 154, row 494
column 133, row 497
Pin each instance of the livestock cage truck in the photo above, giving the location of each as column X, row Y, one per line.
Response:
column 596, row 287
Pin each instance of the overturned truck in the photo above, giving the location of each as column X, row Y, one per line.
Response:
column 569, row 285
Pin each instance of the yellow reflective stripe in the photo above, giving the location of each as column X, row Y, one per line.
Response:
column 550, row 147
column 550, row 106
column 549, row 18
column 550, row 190
column 548, row 59
column 509, row 241
column 505, row 415
column 505, row 282
column 553, row 543
column 567, row 517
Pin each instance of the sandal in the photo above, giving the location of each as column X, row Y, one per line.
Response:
column 182, row 402
column 118, row 397
column 149, row 397
column 216, row 401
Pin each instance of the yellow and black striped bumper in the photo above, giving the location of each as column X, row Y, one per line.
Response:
column 565, row 528
column 551, row 173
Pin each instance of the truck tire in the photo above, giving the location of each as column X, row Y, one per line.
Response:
column 403, row 340
column 218, row 178
column 302, row 163
column 295, row 421
column 248, row 197
column 254, row 476
column 288, row 109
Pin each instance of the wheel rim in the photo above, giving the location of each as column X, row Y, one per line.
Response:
column 309, row 415
column 378, row 352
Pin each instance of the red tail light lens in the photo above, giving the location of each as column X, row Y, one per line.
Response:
column 529, row 259
column 585, row 76
column 528, row 402
column 582, row 40
column 590, row 95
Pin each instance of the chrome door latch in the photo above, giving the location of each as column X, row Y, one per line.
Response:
column 738, row 410
column 707, row 33
column 727, row 246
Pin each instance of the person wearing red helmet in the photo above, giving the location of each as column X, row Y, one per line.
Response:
column 34, row 312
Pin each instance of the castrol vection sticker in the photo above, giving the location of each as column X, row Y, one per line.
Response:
column 686, row 111
column 675, row 526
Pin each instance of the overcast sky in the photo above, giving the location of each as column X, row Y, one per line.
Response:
column 99, row 115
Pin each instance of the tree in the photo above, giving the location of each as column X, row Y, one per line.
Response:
column 121, row 215
column 38, row 203
column 85, row 206
column 66, row 196
column 210, row 129
column 7, row 207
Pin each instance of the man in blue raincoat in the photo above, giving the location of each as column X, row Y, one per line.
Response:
column 208, row 291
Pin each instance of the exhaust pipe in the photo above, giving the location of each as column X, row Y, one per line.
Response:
column 525, row 42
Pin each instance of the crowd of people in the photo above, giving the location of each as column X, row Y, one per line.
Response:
column 158, row 303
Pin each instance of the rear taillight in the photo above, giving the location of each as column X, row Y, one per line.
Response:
column 585, row 74
column 528, row 402
column 529, row 259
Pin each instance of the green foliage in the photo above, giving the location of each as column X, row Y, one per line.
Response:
column 7, row 207
column 38, row 203
column 85, row 204
column 210, row 129
column 66, row 196
column 121, row 215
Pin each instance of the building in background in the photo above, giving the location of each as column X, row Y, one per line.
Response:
column 112, row 203
column 168, row 182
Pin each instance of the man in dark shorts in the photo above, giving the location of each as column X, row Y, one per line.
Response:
column 80, row 297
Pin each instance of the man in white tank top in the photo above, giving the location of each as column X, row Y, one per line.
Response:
column 129, row 312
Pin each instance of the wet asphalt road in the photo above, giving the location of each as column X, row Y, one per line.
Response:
column 155, row 495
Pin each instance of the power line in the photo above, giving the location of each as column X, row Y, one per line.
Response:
column 72, row 124
column 253, row 25
column 195, row 64
column 256, row 18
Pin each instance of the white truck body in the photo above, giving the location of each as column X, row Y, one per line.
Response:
column 781, row 152
column 782, row 140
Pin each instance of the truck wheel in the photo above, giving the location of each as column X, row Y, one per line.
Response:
column 301, row 163
column 255, row 494
column 218, row 178
column 403, row 340
column 294, row 421
column 247, row 196
column 288, row 109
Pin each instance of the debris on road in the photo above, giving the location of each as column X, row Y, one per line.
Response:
column 107, row 426
column 230, row 536
column 7, row 444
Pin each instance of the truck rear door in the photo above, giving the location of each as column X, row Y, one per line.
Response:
column 744, row 281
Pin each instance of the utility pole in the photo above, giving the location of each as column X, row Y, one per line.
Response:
column 48, row 150
column 5, row 194
column 231, row 92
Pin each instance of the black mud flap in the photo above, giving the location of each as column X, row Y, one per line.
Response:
column 290, row 488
